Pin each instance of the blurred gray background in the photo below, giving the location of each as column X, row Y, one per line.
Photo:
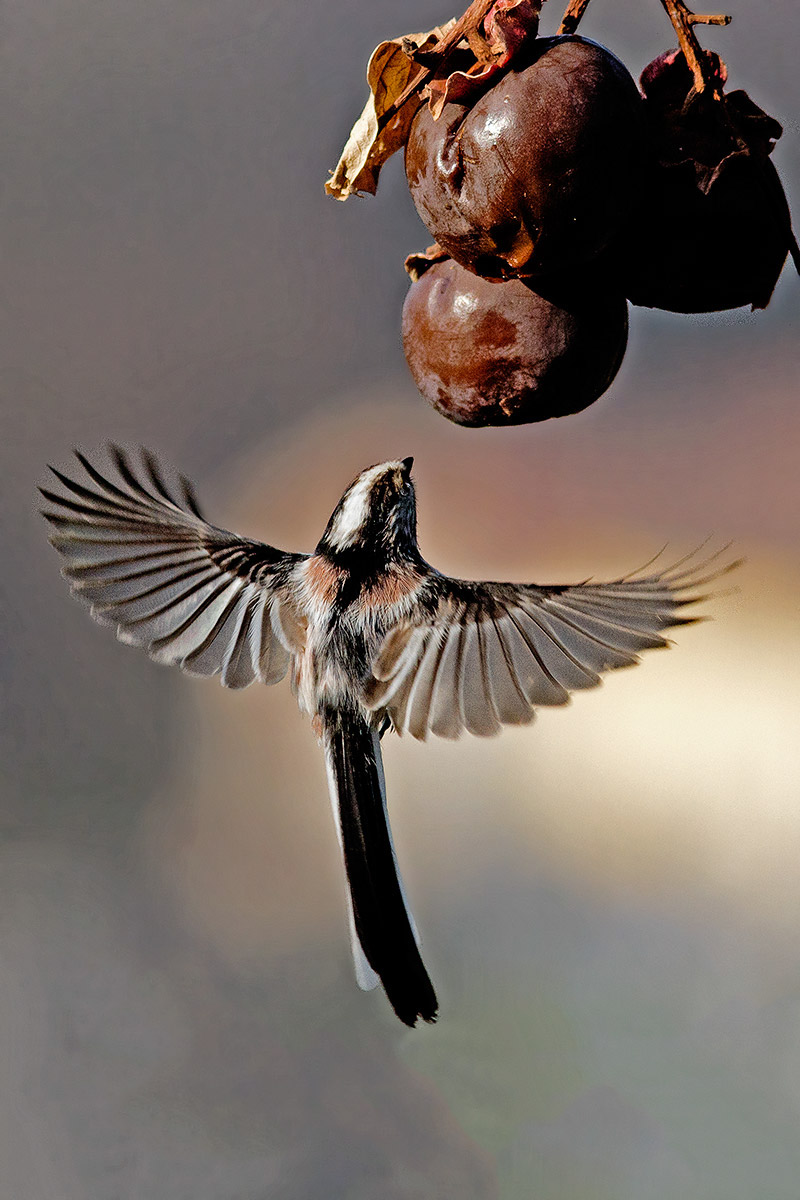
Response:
column 610, row 901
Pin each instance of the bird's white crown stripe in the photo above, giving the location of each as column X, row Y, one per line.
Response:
column 355, row 509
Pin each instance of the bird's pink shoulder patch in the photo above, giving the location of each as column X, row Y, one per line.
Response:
column 323, row 579
column 398, row 582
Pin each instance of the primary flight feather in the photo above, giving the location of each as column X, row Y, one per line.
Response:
column 372, row 636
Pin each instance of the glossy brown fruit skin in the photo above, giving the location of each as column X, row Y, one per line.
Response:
column 487, row 353
column 713, row 229
column 541, row 171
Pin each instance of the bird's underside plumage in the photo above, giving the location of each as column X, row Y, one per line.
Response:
column 372, row 636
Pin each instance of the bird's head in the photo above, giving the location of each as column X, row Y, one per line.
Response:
column 377, row 515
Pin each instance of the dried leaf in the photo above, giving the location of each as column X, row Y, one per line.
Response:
column 389, row 73
column 508, row 24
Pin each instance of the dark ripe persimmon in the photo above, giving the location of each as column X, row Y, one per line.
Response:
column 540, row 171
column 486, row 353
column 713, row 229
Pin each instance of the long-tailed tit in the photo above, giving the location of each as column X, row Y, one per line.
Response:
column 372, row 636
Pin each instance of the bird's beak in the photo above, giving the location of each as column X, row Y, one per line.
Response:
column 407, row 465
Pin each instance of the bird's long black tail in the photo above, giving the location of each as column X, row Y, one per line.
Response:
column 381, row 923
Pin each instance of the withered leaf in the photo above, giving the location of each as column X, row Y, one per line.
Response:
column 389, row 72
column 506, row 27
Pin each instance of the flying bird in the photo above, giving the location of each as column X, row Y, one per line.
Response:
column 372, row 637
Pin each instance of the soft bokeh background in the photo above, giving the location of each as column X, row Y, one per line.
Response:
column 610, row 901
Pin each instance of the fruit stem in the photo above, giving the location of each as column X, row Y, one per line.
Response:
column 575, row 10
column 683, row 21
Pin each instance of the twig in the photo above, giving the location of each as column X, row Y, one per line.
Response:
column 575, row 10
column 683, row 22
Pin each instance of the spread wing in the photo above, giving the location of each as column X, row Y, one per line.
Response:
column 138, row 551
column 476, row 656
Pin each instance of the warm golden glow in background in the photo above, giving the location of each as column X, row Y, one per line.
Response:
column 609, row 900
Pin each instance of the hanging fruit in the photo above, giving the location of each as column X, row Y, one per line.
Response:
column 713, row 229
column 538, row 172
column 487, row 353
column 555, row 189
